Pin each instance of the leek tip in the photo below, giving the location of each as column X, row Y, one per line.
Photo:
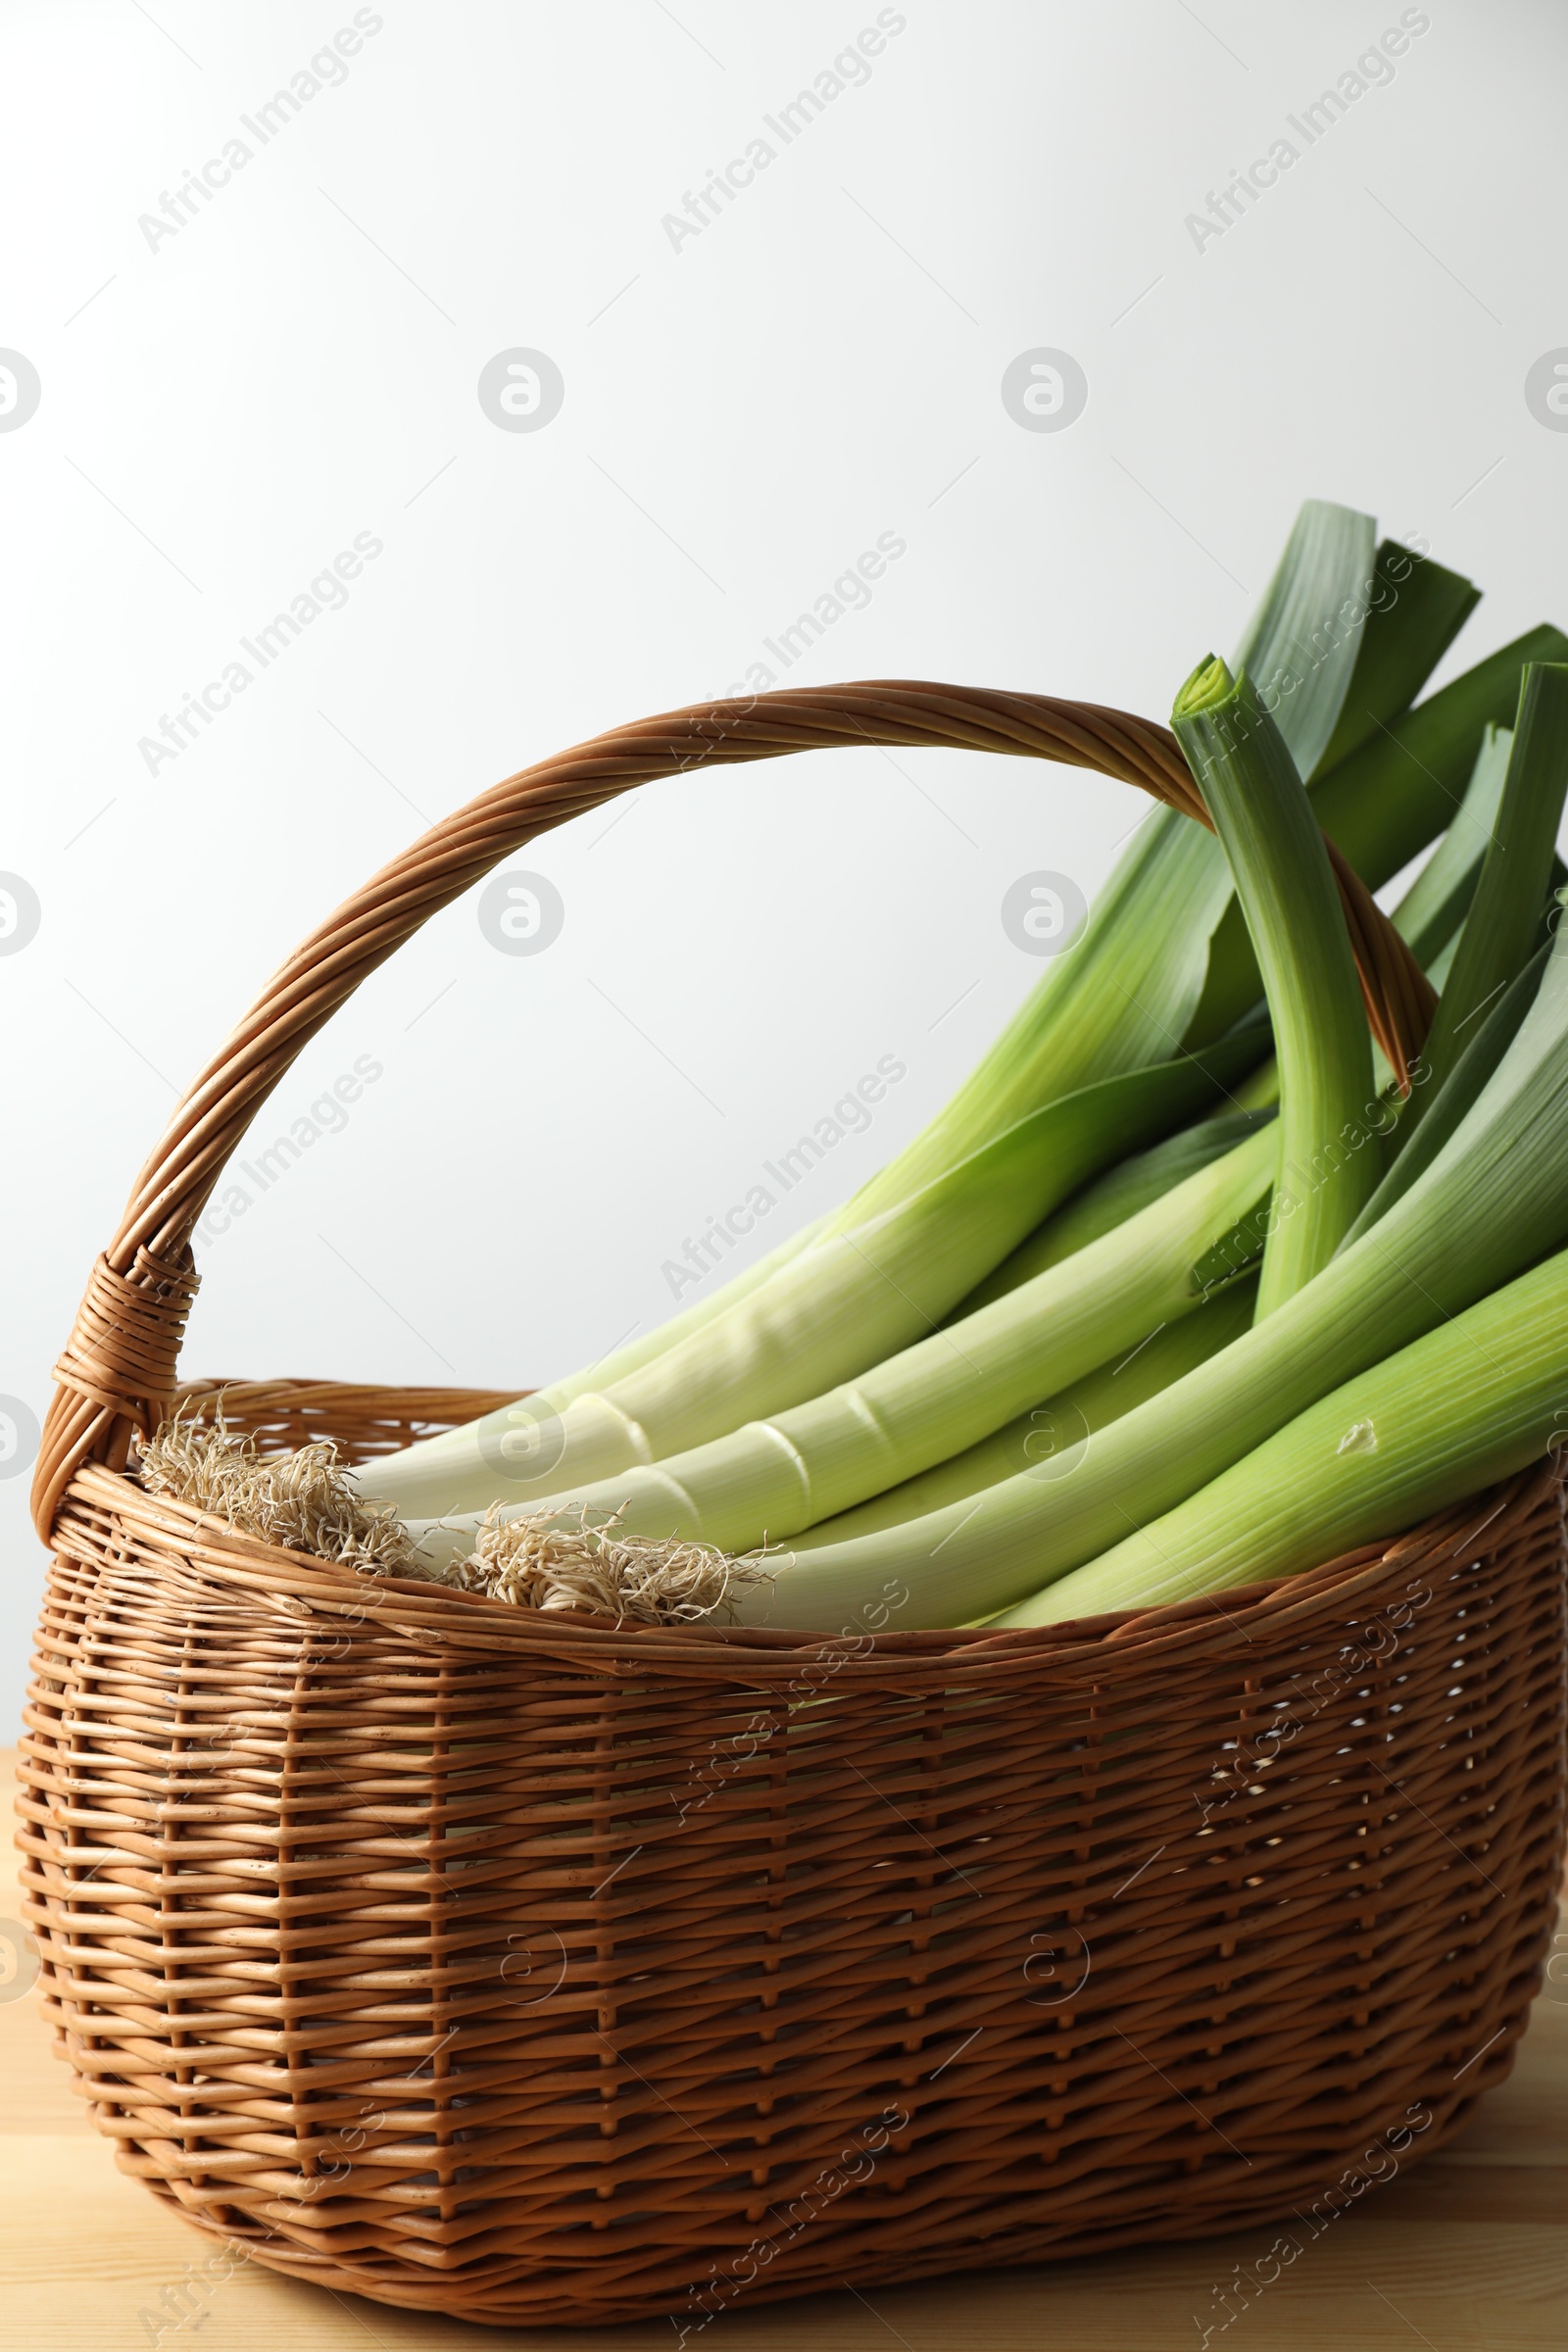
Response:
column 1209, row 683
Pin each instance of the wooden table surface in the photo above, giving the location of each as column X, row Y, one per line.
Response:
column 1466, row 2250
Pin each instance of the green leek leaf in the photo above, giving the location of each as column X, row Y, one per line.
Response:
column 1458, row 1094
column 1289, row 897
column 1414, row 614
column 1430, row 913
column 1502, row 926
column 1383, row 805
column 1492, row 1203
column 1112, row 1198
column 1300, row 646
column 1468, row 1403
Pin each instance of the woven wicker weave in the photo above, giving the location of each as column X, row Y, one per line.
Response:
column 539, row 1972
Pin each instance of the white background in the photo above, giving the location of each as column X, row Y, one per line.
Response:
column 223, row 411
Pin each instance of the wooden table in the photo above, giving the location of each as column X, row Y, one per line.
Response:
column 1466, row 2250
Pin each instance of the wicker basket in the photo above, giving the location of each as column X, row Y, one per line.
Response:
column 539, row 1972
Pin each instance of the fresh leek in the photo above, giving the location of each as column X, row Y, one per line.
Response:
column 1287, row 895
column 1050, row 1440
column 1118, row 1000
column 1470, row 1403
column 826, row 1314
column 1492, row 1203
column 992, row 1195
column 1386, row 803
column 1143, row 1177
column 771, row 1477
column 1460, row 1091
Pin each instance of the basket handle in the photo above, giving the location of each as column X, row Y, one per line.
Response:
column 118, row 1372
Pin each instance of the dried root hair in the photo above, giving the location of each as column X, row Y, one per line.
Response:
column 306, row 1502
column 543, row 1560
column 303, row 1501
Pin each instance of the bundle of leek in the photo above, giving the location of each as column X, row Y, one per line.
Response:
column 1175, row 1290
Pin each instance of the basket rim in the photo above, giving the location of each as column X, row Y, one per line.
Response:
column 303, row 1589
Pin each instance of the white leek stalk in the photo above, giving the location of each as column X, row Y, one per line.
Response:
column 772, row 1477
column 1050, row 1438
column 829, row 1313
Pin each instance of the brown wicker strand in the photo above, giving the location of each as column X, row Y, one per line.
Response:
column 121, row 1357
column 1399, row 999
